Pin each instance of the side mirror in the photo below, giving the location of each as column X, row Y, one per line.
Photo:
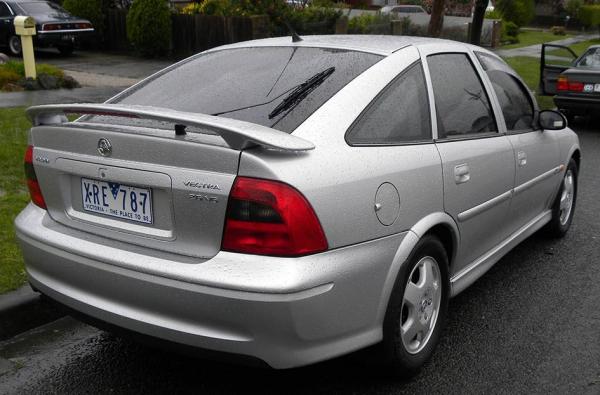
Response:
column 551, row 120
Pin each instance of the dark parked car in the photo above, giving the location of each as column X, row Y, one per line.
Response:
column 575, row 83
column 54, row 25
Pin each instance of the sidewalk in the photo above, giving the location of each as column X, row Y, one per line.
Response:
column 535, row 51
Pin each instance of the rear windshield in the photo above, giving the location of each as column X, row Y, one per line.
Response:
column 590, row 59
column 42, row 8
column 277, row 87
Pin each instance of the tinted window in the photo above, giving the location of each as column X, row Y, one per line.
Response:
column 42, row 8
column 4, row 11
column 251, row 84
column 590, row 59
column 400, row 114
column 462, row 105
column 514, row 100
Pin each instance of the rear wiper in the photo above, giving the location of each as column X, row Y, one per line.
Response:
column 300, row 92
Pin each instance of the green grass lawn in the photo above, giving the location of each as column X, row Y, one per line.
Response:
column 13, row 194
column 532, row 37
column 529, row 69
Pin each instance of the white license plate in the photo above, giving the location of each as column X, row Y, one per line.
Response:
column 588, row 88
column 597, row 88
column 117, row 200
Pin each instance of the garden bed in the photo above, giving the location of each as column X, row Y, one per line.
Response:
column 12, row 78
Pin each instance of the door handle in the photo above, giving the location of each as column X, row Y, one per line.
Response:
column 522, row 158
column 461, row 173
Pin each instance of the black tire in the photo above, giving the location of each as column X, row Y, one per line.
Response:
column 560, row 224
column 14, row 45
column 66, row 50
column 398, row 359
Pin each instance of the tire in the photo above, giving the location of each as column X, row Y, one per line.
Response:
column 407, row 347
column 14, row 45
column 563, row 207
column 66, row 50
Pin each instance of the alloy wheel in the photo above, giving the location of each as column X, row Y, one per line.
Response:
column 420, row 305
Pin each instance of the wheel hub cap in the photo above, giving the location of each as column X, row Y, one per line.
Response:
column 566, row 197
column 420, row 305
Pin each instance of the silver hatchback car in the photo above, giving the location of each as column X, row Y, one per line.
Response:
column 294, row 201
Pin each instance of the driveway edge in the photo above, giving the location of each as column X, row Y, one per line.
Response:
column 24, row 309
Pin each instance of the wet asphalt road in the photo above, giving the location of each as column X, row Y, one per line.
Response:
column 531, row 324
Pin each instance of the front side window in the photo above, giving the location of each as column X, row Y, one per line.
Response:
column 515, row 102
column 399, row 115
column 462, row 105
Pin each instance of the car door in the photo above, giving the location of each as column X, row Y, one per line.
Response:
column 554, row 60
column 6, row 23
column 477, row 161
column 537, row 152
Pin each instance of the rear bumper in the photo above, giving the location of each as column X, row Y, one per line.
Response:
column 55, row 39
column 577, row 104
column 286, row 312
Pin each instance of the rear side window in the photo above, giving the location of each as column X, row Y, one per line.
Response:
column 4, row 11
column 399, row 115
column 277, row 87
column 515, row 102
column 462, row 105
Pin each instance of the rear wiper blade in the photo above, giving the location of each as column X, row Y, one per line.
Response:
column 301, row 91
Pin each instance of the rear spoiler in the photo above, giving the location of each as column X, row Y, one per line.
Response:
column 237, row 134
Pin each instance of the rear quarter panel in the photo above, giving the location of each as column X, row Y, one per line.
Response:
column 341, row 181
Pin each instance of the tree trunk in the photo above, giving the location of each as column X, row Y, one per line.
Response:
column 477, row 24
column 437, row 18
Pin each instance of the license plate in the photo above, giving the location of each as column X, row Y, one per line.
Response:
column 597, row 88
column 588, row 88
column 117, row 200
column 68, row 37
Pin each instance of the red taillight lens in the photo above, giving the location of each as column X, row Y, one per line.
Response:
column 32, row 183
column 271, row 218
column 576, row 86
column 562, row 84
column 83, row 26
column 51, row 26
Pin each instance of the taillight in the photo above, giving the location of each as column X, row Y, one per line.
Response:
column 51, row 26
column 271, row 218
column 32, row 183
column 563, row 84
column 83, row 26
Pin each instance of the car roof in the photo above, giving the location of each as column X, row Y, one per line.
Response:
column 378, row 44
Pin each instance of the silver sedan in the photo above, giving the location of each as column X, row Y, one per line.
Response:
column 290, row 202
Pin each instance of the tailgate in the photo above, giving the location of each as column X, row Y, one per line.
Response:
column 144, row 186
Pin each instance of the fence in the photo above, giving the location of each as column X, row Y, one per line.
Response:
column 191, row 33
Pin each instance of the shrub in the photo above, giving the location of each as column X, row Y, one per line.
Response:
column 312, row 20
column 8, row 77
column 493, row 14
column 149, row 26
column 510, row 32
column 573, row 7
column 590, row 15
column 558, row 30
column 91, row 10
column 371, row 24
column 520, row 12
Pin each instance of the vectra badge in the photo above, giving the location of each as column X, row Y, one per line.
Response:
column 104, row 147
